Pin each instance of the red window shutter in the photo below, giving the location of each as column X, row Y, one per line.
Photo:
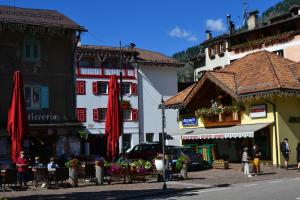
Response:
column 81, row 114
column 134, row 114
column 95, row 87
column 80, row 87
column 133, row 88
column 96, row 115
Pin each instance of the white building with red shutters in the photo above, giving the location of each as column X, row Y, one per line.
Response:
column 144, row 83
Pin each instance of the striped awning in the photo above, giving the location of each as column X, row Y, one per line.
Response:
column 238, row 131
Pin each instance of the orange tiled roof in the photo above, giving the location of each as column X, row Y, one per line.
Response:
column 179, row 97
column 255, row 73
column 263, row 71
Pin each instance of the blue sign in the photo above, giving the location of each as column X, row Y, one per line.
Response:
column 189, row 121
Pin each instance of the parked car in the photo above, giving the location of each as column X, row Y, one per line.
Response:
column 196, row 160
column 145, row 151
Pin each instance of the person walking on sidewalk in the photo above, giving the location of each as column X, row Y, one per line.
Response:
column 256, row 158
column 298, row 156
column 285, row 150
column 245, row 161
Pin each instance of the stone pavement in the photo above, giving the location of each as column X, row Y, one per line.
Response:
column 197, row 180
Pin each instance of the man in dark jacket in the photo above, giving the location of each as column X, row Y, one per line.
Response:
column 285, row 150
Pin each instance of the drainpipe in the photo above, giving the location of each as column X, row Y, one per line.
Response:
column 275, row 125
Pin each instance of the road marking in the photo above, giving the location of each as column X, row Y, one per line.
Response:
column 275, row 181
column 249, row 185
column 213, row 190
column 298, row 198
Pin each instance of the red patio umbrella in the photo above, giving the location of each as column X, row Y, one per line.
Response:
column 112, row 122
column 17, row 125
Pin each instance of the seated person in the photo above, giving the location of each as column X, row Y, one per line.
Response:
column 37, row 163
column 52, row 165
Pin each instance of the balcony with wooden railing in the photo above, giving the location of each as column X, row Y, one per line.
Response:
column 222, row 119
column 104, row 72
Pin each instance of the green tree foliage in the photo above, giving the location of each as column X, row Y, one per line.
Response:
column 186, row 73
column 279, row 8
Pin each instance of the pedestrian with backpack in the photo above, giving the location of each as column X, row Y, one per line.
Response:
column 285, row 150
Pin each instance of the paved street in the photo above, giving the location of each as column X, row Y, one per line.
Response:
column 285, row 189
column 206, row 183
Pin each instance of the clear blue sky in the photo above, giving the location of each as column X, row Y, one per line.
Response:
column 167, row 26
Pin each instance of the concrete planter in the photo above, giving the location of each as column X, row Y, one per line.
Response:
column 99, row 175
column 184, row 171
column 73, row 176
column 159, row 165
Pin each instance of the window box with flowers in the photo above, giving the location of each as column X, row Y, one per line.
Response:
column 216, row 115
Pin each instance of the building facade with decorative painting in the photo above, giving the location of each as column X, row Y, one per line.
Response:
column 278, row 34
column 235, row 107
column 41, row 44
column 147, row 78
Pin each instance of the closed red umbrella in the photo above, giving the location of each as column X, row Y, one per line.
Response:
column 17, row 125
column 112, row 122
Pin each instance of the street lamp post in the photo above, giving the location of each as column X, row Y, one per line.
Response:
column 163, row 141
column 131, row 45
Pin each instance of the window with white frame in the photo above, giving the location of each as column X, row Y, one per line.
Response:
column 102, row 87
column 102, row 114
column 149, row 137
column 126, row 88
column 127, row 114
column 36, row 97
column 127, row 141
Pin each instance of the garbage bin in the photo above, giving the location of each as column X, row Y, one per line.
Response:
column 208, row 153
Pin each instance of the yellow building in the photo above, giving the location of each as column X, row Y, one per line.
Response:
column 254, row 100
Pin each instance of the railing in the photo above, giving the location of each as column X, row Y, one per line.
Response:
column 86, row 71
column 222, row 119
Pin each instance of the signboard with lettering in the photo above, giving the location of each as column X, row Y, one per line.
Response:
column 42, row 116
column 258, row 111
column 189, row 121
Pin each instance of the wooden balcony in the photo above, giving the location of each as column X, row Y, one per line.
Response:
column 224, row 119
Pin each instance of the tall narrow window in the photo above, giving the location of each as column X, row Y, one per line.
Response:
column 80, row 87
column 31, row 48
column 81, row 114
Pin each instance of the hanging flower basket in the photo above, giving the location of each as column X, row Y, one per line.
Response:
column 125, row 104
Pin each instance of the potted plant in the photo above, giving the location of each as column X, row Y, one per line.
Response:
column 158, row 161
column 181, row 165
column 73, row 166
column 125, row 104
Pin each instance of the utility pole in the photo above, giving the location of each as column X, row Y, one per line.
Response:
column 163, row 141
column 121, row 100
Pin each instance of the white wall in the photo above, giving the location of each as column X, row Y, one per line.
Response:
column 155, row 81
column 91, row 101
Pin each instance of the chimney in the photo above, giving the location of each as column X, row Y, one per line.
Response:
column 208, row 35
column 228, row 19
column 295, row 10
column 252, row 21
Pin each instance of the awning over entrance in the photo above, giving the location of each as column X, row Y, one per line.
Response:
column 238, row 131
